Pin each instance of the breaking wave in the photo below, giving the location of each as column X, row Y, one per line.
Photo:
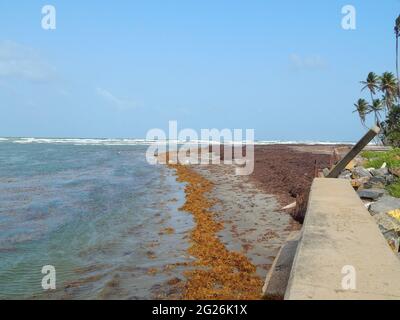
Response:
column 127, row 142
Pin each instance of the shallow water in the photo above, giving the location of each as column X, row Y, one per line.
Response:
column 94, row 212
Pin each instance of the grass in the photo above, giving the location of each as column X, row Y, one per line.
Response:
column 376, row 159
column 394, row 189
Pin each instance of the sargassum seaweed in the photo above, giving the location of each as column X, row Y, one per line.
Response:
column 218, row 273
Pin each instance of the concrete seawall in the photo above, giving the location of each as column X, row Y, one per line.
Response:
column 341, row 246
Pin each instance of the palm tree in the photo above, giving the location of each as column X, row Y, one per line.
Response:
column 397, row 33
column 372, row 83
column 376, row 108
column 362, row 109
column 388, row 85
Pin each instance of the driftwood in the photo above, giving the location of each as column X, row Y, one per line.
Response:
column 290, row 206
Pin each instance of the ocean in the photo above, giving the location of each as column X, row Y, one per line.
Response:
column 96, row 211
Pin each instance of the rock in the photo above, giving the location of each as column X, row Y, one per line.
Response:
column 359, row 161
column 384, row 165
column 391, row 236
column 359, row 183
column 384, row 205
column 372, row 194
column 375, row 182
column 379, row 179
column 395, row 171
column 389, row 179
column 346, row 174
column 389, row 226
column 367, row 203
column 380, row 172
column 387, row 223
column 394, row 243
column 360, row 172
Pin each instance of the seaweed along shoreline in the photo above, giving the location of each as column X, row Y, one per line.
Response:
column 218, row 273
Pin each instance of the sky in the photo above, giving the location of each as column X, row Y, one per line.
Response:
column 116, row 69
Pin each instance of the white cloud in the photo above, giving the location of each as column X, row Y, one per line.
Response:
column 18, row 61
column 116, row 102
column 306, row 62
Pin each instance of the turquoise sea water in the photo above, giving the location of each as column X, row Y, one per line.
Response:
column 95, row 211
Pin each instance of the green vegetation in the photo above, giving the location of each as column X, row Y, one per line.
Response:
column 376, row 159
column 394, row 189
column 387, row 107
column 384, row 96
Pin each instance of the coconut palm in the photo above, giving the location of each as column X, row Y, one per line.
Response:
column 376, row 107
column 388, row 102
column 388, row 85
column 397, row 33
column 362, row 108
column 371, row 83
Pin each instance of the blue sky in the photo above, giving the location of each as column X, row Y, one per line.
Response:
column 119, row 68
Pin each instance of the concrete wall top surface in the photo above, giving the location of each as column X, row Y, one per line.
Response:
column 342, row 253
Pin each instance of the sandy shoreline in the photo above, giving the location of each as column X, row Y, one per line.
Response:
column 245, row 226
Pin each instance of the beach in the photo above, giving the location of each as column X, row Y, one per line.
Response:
column 239, row 222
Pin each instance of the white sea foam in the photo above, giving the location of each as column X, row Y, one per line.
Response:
column 77, row 141
column 127, row 142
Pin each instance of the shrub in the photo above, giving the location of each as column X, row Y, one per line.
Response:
column 376, row 159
